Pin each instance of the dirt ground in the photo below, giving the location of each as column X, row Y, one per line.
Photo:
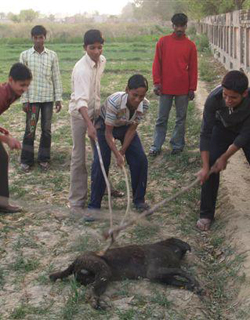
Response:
column 235, row 182
column 41, row 241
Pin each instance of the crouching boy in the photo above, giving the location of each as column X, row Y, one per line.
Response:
column 19, row 80
column 120, row 115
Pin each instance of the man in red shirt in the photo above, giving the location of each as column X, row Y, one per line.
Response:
column 175, row 78
column 19, row 80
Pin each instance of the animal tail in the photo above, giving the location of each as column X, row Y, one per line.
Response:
column 62, row 274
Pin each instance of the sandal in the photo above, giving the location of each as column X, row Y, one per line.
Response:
column 153, row 152
column 204, row 224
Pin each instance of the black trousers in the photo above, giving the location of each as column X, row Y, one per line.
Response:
column 136, row 159
column 222, row 138
column 4, row 184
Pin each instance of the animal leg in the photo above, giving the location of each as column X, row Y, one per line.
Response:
column 167, row 276
column 62, row 274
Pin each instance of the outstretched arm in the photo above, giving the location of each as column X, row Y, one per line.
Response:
column 111, row 142
column 128, row 138
column 221, row 162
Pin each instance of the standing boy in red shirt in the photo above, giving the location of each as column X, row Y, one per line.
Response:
column 175, row 78
column 19, row 80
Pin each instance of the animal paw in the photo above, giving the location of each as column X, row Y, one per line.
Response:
column 53, row 276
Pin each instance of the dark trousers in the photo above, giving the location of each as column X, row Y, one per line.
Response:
column 4, row 184
column 32, row 116
column 222, row 138
column 136, row 160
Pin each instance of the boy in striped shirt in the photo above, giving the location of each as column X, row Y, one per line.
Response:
column 120, row 115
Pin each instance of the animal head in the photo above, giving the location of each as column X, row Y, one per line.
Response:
column 182, row 245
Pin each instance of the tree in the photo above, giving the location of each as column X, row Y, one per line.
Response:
column 239, row 4
column 161, row 9
column 51, row 17
column 14, row 17
column 28, row 15
column 128, row 10
column 2, row 15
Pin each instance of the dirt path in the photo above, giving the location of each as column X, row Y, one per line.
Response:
column 235, row 182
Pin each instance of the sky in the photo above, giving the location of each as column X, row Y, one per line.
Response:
column 65, row 7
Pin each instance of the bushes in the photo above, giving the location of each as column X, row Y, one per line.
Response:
column 73, row 33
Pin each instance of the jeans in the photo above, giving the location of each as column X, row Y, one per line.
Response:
column 221, row 139
column 136, row 160
column 32, row 116
column 178, row 137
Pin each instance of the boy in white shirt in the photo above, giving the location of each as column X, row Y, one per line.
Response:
column 84, row 108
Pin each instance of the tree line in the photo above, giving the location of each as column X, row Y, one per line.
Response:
column 163, row 9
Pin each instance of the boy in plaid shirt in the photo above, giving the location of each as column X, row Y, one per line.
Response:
column 45, row 88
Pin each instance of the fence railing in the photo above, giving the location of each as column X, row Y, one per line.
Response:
column 229, row 37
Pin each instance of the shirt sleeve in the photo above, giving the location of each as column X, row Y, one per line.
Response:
column 141, row 115
column 208, row 121
column 111, row 112
column 25, row 95
column 193, row 72
column 81, row 89
column 244, row 137
column 3, row 98
column 56, row 78
column 156, row 68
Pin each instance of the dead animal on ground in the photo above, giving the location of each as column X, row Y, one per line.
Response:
column 158, row 262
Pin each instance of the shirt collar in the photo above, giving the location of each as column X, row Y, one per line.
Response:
column 178, row 38
column 91, row 62
column 124, row 104
column 44, row 51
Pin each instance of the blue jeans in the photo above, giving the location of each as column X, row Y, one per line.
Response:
column 178, row 137
column 32, row 116
column 221, row 139
column 136, row 160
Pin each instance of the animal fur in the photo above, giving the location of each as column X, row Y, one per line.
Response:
column 157, row 262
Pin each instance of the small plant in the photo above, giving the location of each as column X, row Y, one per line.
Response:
column 71, row 306
column 21, row 264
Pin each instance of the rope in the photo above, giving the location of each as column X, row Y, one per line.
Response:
column 106, row 181
column 128, row 196
column 112, row 240
column 113, row 233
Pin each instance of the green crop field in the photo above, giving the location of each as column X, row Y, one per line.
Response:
column 44, row 237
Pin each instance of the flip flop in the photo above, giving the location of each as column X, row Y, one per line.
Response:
column 203, row 224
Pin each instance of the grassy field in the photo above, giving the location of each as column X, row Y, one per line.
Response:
column 45, row 237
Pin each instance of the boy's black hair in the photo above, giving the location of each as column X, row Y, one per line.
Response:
column 179, row 19
column 38, row 30
column 236, row 81
column 20, row 72
column 92, row 36
column 137, row 81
